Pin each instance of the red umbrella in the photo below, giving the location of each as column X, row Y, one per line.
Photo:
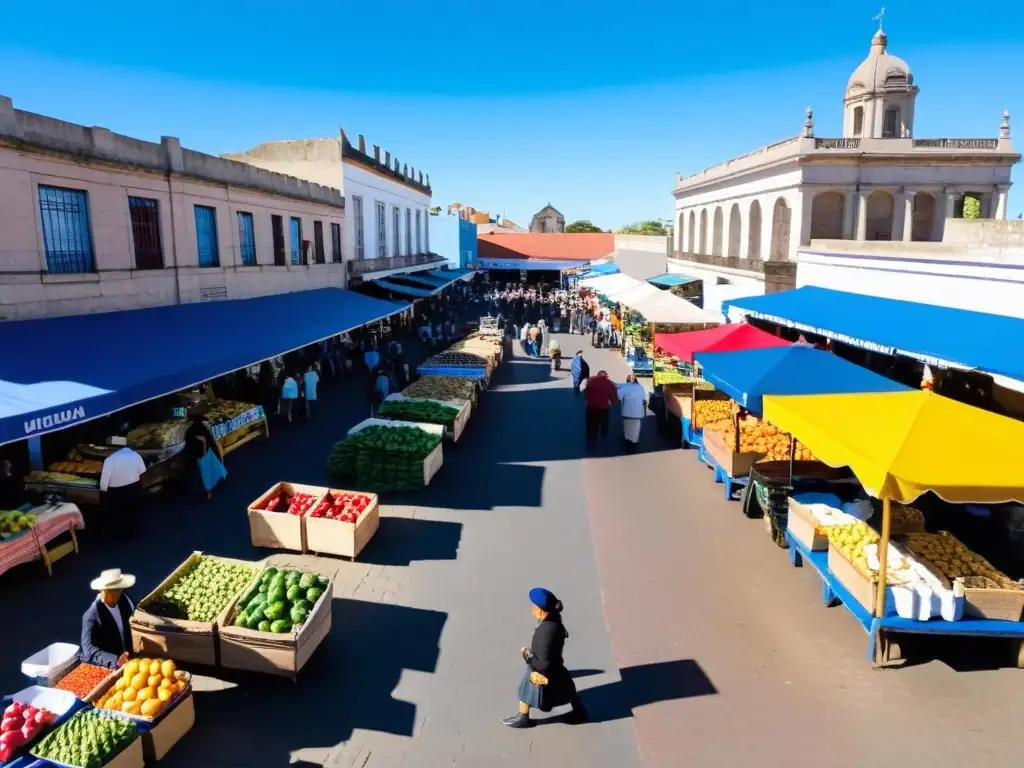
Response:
column 723, row 338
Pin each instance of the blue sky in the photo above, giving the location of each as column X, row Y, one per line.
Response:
column 591, row 107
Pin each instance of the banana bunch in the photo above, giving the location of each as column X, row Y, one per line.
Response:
column 953, row 560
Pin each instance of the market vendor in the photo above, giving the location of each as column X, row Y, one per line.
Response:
column 119, row 484
column 106, row 637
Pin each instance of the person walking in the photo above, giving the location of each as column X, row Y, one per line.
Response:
column 289, row 394
column 381, row 389
column 633, row 399
column 209, row 467
column 579, row 370
column 310, row 381
column 120, row 489
column 600, row 395
column 546, row 683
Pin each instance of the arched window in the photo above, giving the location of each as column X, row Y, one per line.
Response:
column 754, row 233
column 858, row 121
column 891, row 127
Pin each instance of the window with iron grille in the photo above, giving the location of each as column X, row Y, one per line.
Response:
column 382, row 231
column 419, row 242
column 396, row 233
column 336, row 243
column 296, row 233
column 67, row 239
column 318, row 243
column 357, row 215
column 277, row 234
column 145, row 217
column 246, row 239
column 206, row 236
column 408, row 232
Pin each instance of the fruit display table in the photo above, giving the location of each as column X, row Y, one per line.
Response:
column 882, row 645
column 51, row 522
column 452, row 430
column 179, row 618
column 731, row 469
column 234, row 424
column 277, row 623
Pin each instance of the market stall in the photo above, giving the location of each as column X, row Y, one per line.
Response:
column 897, row 445
column 233, row 424
column 27, row 535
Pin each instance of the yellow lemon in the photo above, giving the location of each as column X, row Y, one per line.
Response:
column 129, row 693
column 165, row 694
column 167, row 669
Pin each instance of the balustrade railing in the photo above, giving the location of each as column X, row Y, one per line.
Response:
column 358, row 267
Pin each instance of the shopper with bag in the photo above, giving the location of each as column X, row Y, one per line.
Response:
column 200, row 443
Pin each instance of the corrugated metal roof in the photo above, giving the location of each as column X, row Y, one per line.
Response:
column 564, row 247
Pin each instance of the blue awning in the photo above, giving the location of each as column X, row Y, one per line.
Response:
column 749, row 374
column 451, row 274
column 942, row 336
column 403, row 290
column 60, row 371
column 602, row 269
column 671, row 279
column 531, row 264
column 423, row 279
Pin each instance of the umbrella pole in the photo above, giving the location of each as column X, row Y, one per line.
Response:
column 792, row 456
column 883, row 558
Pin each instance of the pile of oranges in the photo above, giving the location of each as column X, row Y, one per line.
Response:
column 757, row 436
column 144, row 688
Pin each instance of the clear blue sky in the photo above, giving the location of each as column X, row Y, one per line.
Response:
column 592, row 107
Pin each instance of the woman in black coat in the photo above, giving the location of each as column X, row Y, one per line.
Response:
column 546, row 683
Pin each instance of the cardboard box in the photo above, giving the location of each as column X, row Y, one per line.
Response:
column 432, row 462
column 802, row 526
column 179, row 639
column 275, row 654
column 129, row 757
column 735, row 464
column 279, row 530
column 333, row 537
column 860, row 587
column 169, row 728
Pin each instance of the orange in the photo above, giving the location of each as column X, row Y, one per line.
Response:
column 166, row 683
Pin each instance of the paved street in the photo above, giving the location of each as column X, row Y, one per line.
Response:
column 693, row 640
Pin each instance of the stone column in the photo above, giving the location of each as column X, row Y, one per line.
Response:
column 806, row 201
column 908, row 215
column 862, row 215
column 848, row 199
column 1001, row 191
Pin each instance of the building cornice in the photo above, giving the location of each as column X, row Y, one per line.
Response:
column 392, row 171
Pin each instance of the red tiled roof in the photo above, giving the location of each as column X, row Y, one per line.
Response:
column 564, row 247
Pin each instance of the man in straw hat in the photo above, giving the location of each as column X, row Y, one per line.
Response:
column 106, row 638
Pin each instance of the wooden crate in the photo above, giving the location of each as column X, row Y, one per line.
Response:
column 432, row 462
column 734, row 463
column 802, row 526
column 333, row 537
column 860, row 587
column 679, row 403
column 279, row 530
column 453, row 432
column 179, row 639
column 274, row 654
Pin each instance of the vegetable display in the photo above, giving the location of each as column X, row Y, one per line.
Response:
column 87, row 740
column 947, row 555
column 423, row 411
column 343, row 506
column 442, row 388
column 20, row 726
column 202, row 591
column 455, row 360
column 13, row 522
column 82, row 680
column 144, row 688
column 296, row 504
column 385, row 458
column 281, row 602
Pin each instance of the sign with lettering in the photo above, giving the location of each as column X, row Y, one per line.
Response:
column 222, row 429
column 55, row 419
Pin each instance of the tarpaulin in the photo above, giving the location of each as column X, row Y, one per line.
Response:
column 901, row 445
column 748, row 375
column 724, row 338
column 60, row 371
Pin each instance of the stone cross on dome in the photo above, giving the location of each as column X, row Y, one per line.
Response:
column 880, row 18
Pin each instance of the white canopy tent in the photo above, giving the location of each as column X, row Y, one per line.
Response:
column 607, row 285
column 665, row 307
column 637, row 293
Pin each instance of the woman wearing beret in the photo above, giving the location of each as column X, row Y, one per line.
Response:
column 546, row 683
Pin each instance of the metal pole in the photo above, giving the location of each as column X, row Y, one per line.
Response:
column 883, row 551
column 792, row 455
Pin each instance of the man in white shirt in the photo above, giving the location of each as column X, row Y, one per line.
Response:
column 633, row 397
column 119, row 484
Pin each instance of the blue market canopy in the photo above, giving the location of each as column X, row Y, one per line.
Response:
column 532, row 264
column 747, row 375
column 403, row 290
column 421, row 278
column 451, row 274
column 65, row 370
column 670, row 280
column 943, row 336
column 601, row 269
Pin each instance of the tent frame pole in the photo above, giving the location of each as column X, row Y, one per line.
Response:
column 883, row 558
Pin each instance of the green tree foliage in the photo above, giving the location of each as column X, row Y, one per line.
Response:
column 972, row 207
column 653, row 227
column 582, row 226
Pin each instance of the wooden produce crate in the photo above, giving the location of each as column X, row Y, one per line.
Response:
column 432, row 462
column 679, row 399
column 275, row 654
column 279, row 530
column 860, row 587
column 334, row 537
column 803, row 527
column 183, row 640
column 454, row 432
column 167, row 728
column 734, row 463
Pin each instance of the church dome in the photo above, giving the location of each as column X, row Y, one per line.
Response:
column 880, row 71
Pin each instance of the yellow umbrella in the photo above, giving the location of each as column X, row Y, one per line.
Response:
column 901, row 445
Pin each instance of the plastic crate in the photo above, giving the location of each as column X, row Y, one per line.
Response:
column 49, row 665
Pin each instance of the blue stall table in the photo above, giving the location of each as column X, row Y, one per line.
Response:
column 732, row 484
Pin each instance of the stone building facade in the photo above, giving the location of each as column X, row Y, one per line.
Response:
column 92, row 221
column 547, row 221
